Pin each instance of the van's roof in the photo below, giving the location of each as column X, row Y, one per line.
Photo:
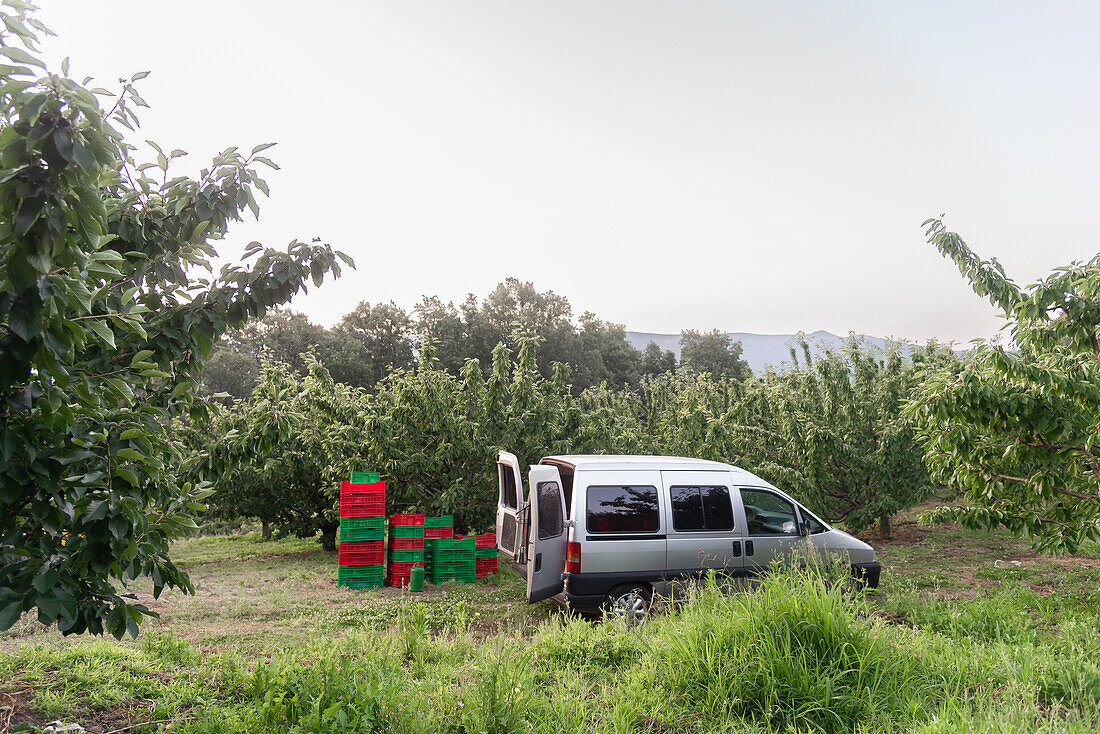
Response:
column 609, row 462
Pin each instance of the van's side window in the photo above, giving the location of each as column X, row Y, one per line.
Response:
column 701, row 508
column 551, row 523
column 619, row 509
column 508, row 486
column 768, row 514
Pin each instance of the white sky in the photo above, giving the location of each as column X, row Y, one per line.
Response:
column 747, row 166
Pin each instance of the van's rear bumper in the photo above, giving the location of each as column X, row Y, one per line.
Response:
column 586, row 603
column 867, row 573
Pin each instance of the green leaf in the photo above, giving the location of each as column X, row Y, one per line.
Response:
column 102, row 331
column 10, row 614
column 45, row 581
column 129, row 475
column 131, row 454
column 20, row 56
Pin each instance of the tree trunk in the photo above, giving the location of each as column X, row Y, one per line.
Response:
column 265, row 529
column 328, row 537
column 884, row 525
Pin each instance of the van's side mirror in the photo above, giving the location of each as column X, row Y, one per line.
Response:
column 804, row 528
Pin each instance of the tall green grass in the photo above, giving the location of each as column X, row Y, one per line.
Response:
column 795, row 653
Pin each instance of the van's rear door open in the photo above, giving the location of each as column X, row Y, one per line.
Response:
column 511, row 508
column 548, row 536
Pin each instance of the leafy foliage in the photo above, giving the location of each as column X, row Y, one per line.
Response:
column 713, row 352
column 1016, row 430
column 103, row 328
column 835, row 427
column 655, row 361
column 280, row 456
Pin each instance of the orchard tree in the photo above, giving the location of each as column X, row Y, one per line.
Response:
column 655, row 361
column 280, row 456
column 103, row 329
column 384, row 331
column 1016, row 429
column 713, row 352
column 831, row 431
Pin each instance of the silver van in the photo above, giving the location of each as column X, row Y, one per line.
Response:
column 613, row 531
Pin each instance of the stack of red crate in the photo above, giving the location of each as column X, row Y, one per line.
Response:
column 485, row 553
column 406, row 547
column 361, row 542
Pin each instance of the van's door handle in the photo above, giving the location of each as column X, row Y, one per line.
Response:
column 748, row 547
column 737, row 549
column 538, row 562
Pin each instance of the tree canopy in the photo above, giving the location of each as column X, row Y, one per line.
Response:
column 1016, row 428
column 104, row 326
column 714, row 352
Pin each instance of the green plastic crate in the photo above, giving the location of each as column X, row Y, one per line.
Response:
column 461, row 578
column 359, row 535
column 360, row 572
column 485, row 553
column 467, row 543
column 360, row 523
column 357, row 529
column 365, row 477
column 364, row 583
column 402, row 556
column 406, row 531
column 440, row 545
column 443, row 521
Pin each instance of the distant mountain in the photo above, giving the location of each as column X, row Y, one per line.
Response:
column 760, row 350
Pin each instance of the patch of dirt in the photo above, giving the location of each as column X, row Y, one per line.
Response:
column 480, row 629
column 905, row 533
column 897, row 618
column 16, row 708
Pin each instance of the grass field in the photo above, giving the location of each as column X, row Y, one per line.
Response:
column 952, row 642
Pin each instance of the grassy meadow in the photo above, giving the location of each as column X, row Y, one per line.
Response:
column 956, row 639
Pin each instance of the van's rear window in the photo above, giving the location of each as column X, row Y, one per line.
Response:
column 623, row 509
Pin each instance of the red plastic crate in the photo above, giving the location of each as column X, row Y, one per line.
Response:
column 362, row 499
column 484, row 566
column 364, row 553
column 361, row 511
column 406, row 544
column 347, row 488
column 485, row 540
column 438, row 533
column 375, row 506
column 398, row 572
column 415, row 520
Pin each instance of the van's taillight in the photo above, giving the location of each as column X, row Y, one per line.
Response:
column 573, row 558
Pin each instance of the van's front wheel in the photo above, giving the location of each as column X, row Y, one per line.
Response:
column 629, row 603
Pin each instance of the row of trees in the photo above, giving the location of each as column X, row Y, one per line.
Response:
column 830, row 431
column 374, row 339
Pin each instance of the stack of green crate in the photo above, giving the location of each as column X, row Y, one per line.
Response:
column 453, row 559
column 435, row 527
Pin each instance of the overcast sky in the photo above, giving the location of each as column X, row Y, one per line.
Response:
column 746, row 166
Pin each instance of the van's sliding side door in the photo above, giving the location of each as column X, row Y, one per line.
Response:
column 548, row 537
column 511, row 509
